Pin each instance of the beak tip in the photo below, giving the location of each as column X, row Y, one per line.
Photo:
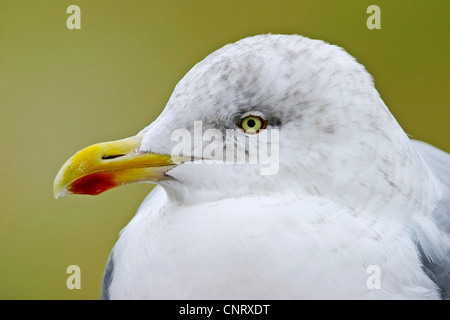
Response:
column 59, row 193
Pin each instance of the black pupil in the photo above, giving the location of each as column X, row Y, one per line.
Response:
column 251, row 123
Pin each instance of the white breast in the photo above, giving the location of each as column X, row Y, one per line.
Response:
column 256, row 248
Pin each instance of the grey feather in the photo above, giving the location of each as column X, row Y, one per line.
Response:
column 437, row 266
column 437, row 160
column 107, row 278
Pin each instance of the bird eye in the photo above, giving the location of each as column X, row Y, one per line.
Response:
column 252, row 124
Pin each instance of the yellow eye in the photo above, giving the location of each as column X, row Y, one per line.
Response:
column 252, row 124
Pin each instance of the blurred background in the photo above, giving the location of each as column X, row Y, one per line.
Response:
column 61, row 90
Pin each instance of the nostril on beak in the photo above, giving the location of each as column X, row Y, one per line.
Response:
column 109, row 157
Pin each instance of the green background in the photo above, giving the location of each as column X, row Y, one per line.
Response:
column 61, row 90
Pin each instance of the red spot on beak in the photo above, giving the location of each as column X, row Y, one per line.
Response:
column 93, row 184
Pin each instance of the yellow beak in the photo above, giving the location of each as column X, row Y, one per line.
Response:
column 103, row 166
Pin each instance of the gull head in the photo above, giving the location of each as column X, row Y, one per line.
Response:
column 268, row 114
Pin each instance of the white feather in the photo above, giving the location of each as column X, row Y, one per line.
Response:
column 351, row 190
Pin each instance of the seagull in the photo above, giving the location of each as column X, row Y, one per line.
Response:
column 353, row 208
